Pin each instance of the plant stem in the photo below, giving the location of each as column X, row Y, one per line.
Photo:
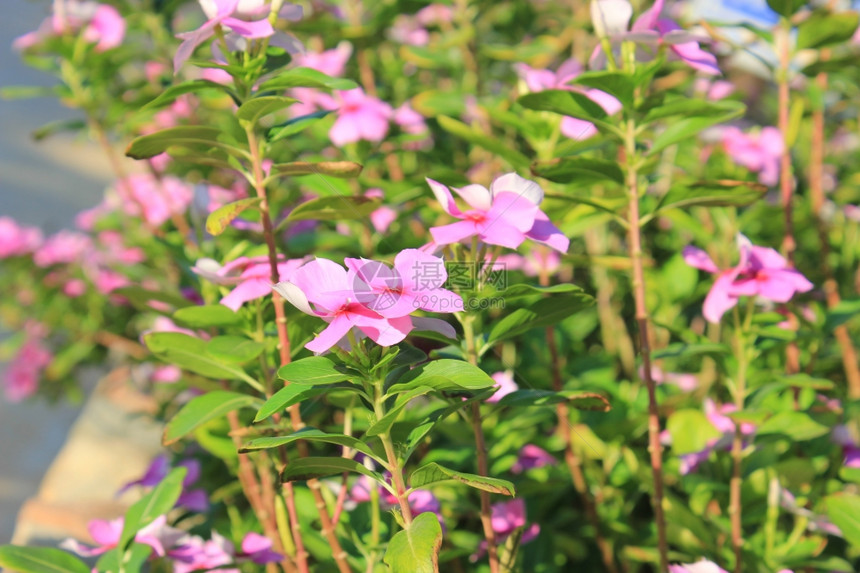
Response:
column 786, row 182
column 574, row 464
column 327, row 529
column 735, row 505
column 394, row 464
column 481, row 447
column 638, row 280
column 816, row 193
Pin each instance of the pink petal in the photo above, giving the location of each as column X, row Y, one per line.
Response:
column 699, row 259
column 385, row 331
column 434, row 325
column 454, row 232
column 648, row 19
column 443, row 195
column 251, row 289
column 513, row 183
column 501, row 232
column 251, row 30
column 577, row 129
column 190, row 41
column 477, row 196
column 323, row 282
column 719, row 299
column 543, row 231
column 346, row 129
column 516, row 210
column 336, row 330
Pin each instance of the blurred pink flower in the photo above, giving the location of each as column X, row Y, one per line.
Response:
column 532, row 456
column 101, row 24
column 22, row 377
column 760, row 272
column 258, row 549
column 359, row 116
column 16, row 240
column 382, row 217
column 106, row 535
column 505, row 384
column 193, row 553
column 155, row 200
column 252, row 277
column 506, row 517
column 506, row 214
column 540, row 80
column 685, row 382
column 702, row 566
column 537, row 261
column 759, row 152
column 330, row 62
column 63, row 248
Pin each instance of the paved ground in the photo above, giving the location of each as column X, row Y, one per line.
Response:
column 45, row 184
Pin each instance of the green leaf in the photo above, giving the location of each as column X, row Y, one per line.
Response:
column 311, row 435
column 608, row 205
column 337, row 208
column 803, row 380
column 785, row 7
column 305, row 78
column 40, row 560
column 444, row 374
column 384, row 424
column 314, row 370
column 843, row 509
column 617, row 84
column 434, row 473
column 581, row 171
column 797, row 426
column 286, row 397
column 578, row 399
column 573, row 104
column 295, row 125
column 311, row 468
column 132, row 560
column 688, row 107
column 156, row 503
column 27, row 92
column 841, row 313
column 486, row 141
column 147, row 146
column 201, row 409
column 545, row 312
column 691, row 431
column 521, row 290
column 193, row 86
column 219, row 219
column 207, row 316
column 55, row 127
column 253, row 110
column 691, row 126
column 189, row 352
column 342, row 169
column 142, row 298
column 416, row 548
column 234, row 349
column 724, row 193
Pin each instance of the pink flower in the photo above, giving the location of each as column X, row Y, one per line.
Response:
column 106, row 534
column 540, row 80
column 191, row 499
column 16, row 240
column 409, row 120
column 505, row 518
column 714, row 90
column 193, row 553
column 102, row 25
column 759, row 152
column 228, row 14
column 382, row 217
column 760, row 272
column 252, row 277
column 330, row 62
column 414, row 283
column 359, row 116
column 258, row 549
column 537, row 261
column 505, row 385
column 611, row 18
column 685, row 382
column 156, row 200
column 505, row 215
column 326, row 285
column 23, row 374
column 62, row 248
column 532, row 456
column 702, row 566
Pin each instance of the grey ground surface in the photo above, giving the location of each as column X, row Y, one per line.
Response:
column 42, row 184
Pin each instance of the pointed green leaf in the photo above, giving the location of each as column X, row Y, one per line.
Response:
column 798, row 426
column 785, row 7
column 314, row 370
column 843, row 509
column 338, row 208
column 416, row 548
column 434, row 473
column 286, row 397
column 207, row 316
column 156, row 503
column 201, row 409
column 295, row 125
column 219, row 219
column 579, row 171
column 486, row 141
column 170, row 94
column 691, row 431
column 55, row 127
column 521, row 290
column 305, row 78
column 384, row 424
column 545, row 312
column 573, row 104
column 197, row 136
column 617, row 84
column 691, row 126
column 724, row 193
column 311, row 468
column 342, row 169
column 132, row 559
column 189, row 352
column 40, row 560
column 445, row 374
column 311, row 435
column 688, row 107
column 253, row 110
column 578, row 399
column 234, row 349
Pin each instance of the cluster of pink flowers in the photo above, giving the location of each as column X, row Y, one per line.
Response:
column 100, row 24
column 371, row 298
column 412, row 29
column 759, row 152
column 16, row 240
column 760, row 272
column 251, row 277
column 540, row 80
column 187, row 552
column 154, row 199
column 24, row 372
column 506, row 214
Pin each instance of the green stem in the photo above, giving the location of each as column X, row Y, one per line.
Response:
column 394, row 464
column 735, row 503
column 638, row 279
